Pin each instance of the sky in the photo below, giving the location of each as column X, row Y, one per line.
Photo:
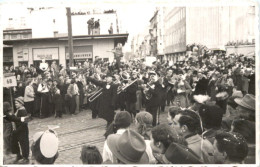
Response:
column 134, row 17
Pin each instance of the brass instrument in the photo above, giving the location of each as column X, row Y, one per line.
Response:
column 120, row 89
column 149, row 85
column 147, row 94
column 95, row 95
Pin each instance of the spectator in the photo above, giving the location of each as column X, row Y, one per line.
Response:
column 9, row 117
column 20, row 89
column 21, row 133
column 162, row 136
column 58, row 102
column 120, row 124
column 44, row 151
column 247, row 130
column 211, row 118
column 72, row 92
column 233, row 145
column 90, row 155
column 43, row 89
column 29, row 96
column 128, row 148
column 178, row 154
column 187, row 124
column 144, row 121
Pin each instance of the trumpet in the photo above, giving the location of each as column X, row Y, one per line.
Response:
column 95, row 95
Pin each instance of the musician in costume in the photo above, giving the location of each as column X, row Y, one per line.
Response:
column 152, row 93
column 106, row 105
column 163, row 92
column 131, row 94
column 91, row 90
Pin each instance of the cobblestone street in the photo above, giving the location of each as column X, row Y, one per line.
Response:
column 74, row 132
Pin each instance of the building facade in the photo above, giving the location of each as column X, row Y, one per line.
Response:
column 32, row 51
column 47, row 38
column 157, row 33
column 213, row 27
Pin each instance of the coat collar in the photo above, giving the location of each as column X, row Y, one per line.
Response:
column 193, row 139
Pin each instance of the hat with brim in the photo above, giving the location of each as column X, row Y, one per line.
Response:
column 129, row 147
column 248, row 101
column 179, row 154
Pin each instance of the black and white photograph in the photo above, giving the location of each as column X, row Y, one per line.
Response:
column 127, row 82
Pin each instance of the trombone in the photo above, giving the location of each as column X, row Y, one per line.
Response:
column 120, row 89
column 95, row 95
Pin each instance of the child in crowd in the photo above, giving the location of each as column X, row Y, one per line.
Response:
column 57, row 100
column 90, row 155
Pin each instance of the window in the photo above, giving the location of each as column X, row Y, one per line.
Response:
column 25, row 36
column 14, row 36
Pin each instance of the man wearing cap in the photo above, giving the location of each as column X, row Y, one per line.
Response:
column 9, row 117
column 21, row 133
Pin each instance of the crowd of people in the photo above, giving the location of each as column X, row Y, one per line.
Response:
column 211, row 117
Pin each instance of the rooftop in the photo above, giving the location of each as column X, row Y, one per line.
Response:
column 122, row 37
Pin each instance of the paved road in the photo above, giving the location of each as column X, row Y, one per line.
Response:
column 74, row 132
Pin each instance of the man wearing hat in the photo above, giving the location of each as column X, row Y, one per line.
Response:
column 107, row 98
column 245, row 109
column 152, row 102
column 128, row 148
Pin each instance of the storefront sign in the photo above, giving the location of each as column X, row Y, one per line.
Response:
column 46, row 53
column 81, row 52
column 87, row 55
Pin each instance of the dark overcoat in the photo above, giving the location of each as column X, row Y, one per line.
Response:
column 106, row 100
